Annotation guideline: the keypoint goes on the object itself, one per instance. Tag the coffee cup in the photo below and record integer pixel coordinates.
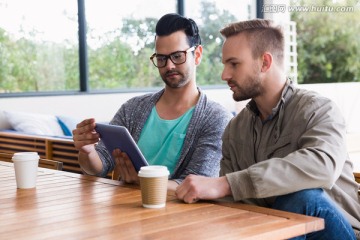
(153, 184)
(26, 167)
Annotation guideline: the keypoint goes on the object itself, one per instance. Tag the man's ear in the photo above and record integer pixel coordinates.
(267, 60)
(198, 54)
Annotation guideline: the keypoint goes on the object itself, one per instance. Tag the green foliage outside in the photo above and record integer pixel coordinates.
(328, 49)
(120, 60)
(30, 66)
(328, 42)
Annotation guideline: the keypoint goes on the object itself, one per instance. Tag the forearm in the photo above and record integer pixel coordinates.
(90, 163)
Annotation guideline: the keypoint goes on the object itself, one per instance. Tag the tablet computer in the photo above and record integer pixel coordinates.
(114, 136)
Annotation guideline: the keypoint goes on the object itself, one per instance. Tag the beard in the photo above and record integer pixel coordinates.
(177, 81)
(252, 88)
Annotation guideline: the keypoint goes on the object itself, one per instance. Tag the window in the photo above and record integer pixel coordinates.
(38, 48)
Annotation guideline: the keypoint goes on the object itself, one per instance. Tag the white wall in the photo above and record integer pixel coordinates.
(346, 96)
(104, 106)
(100, 106)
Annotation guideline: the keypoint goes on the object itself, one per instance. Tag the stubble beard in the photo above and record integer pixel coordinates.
(175, 83)
(252, 89)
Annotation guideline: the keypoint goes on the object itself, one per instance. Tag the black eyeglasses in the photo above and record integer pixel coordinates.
(179, 57)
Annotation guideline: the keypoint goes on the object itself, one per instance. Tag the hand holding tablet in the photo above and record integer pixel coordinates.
(119, 137)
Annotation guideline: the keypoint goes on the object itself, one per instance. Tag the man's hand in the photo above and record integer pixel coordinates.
(85, 136)
(124, 169)
(194, 188)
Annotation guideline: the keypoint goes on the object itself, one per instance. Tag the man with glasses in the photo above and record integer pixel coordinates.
(178, 127)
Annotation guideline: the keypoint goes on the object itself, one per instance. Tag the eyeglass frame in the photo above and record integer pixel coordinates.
(193, 48)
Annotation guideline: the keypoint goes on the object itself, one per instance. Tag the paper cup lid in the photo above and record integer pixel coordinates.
(25, 156)
(153, 171)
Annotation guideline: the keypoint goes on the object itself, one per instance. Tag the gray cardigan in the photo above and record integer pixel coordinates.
(201, 152)
(301, 146)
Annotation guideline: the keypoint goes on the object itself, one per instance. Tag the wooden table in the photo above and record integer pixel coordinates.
(73, 206)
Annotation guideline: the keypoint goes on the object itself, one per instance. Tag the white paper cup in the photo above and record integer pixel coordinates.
(26, 167)
(153, 184)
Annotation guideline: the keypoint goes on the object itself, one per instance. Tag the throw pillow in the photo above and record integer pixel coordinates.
(67, 124)
(4, 123)
(30, 123)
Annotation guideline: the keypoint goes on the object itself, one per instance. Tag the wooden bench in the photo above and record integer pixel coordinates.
(44, 163)
(353, 145)
(56, 149)
(357, 177)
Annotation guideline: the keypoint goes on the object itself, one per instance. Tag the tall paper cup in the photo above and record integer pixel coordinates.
(153, 184)
(26, 166)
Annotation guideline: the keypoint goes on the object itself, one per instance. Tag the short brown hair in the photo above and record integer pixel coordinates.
(263, 36)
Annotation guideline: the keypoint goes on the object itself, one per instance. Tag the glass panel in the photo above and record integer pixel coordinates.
(326, 36)
(121, 40)
(211, 16)
(38, 46)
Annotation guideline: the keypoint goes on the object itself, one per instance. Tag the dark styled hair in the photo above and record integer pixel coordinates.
(264, 35)
(173, 22)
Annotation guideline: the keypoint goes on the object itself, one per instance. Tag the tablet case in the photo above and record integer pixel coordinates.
(114, 136)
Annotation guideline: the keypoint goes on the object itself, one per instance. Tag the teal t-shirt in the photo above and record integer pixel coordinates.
(161, 140)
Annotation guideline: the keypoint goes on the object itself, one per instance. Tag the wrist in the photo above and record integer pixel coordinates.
(225, 186)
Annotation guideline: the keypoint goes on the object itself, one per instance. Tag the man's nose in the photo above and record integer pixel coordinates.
(225, 76)
(169, 64)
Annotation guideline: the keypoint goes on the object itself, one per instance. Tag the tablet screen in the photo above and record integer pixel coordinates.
(114, 136)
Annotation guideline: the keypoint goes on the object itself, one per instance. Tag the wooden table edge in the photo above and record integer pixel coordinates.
(312, 223)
